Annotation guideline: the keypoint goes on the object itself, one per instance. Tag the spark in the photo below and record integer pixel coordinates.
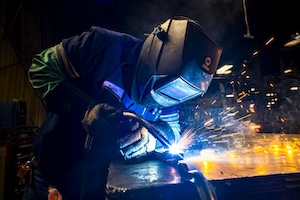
(246, 94)
(241, 118)
(208, 122)
(255, 53)
(187, 138)
(230, 109)
(175, 149)
(271, 39)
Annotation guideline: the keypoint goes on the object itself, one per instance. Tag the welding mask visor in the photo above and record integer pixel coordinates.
(176, 63)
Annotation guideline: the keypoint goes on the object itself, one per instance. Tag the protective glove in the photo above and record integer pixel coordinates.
(137, 143)
(103, 121)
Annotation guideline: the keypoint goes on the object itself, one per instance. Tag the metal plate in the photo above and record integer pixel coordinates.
(148, 180)
(267, 168)
(265, 154)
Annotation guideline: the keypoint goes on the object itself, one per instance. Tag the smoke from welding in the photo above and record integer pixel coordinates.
(218, 18)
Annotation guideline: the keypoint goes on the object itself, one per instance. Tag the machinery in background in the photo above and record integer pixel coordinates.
(16, 139)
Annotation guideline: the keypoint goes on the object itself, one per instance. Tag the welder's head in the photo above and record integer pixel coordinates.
(176, 63)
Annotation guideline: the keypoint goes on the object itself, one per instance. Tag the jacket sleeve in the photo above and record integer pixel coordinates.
(44, 73)
(51, 83)
(172, 119)
(47, 78)
(72, 58)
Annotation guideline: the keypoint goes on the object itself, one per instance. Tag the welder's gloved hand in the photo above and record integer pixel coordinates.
(103, 121)
(137, 143)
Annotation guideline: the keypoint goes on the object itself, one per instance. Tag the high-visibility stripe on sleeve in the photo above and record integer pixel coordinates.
(64, 62)
(173, 120)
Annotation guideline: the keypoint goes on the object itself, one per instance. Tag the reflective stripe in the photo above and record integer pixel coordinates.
(63, 61)
(170, 117)
(116, 89)
(173, 121)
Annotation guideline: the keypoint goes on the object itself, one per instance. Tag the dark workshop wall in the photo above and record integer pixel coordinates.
(18, 42)
(28, 27)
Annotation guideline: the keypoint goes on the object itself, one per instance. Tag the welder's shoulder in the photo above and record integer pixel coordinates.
(123, 37)
(98, 37)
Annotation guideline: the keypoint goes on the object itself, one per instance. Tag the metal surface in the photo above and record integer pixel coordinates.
(266, 154)
(267, 168)
(151, 173)
(151, 180)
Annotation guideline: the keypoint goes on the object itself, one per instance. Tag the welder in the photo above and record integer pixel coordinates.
(89, 80)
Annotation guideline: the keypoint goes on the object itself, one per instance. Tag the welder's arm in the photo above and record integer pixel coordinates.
(136, 143)
(51, 84)
(139, 142)
(171, 126)
(67, 100)
(44, 73)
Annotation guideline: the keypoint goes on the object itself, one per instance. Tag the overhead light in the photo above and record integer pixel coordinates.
(294, 42)
(225, 69)
(230, 95)
(287, 71)
(294, 88)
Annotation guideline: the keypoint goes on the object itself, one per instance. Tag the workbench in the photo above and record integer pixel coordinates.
(269, 168)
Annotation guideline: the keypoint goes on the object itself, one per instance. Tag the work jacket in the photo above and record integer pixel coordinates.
(95, 60)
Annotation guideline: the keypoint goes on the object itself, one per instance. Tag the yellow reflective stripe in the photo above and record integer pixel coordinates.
(70, 67)
(60, 55)
(56, 55)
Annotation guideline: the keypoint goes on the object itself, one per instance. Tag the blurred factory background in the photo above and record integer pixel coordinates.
(257, 85)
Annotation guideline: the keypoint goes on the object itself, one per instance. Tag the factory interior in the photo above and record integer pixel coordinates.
(241, 139)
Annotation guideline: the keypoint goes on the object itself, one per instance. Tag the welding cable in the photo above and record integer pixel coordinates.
(204, 188)
(248, 34)
(191, 174)
(154, 131)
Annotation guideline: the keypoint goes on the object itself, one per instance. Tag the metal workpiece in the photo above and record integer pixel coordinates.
(263, 154)
(166, 156)
(149, 180)
(267, 168)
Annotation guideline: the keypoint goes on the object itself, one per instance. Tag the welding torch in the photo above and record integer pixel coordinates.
(152, 130)
(204, 188)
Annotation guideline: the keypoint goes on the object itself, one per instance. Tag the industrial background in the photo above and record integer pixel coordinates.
(262, 88)
(28, 27)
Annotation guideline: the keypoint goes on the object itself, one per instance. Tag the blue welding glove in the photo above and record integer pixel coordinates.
(139, 142)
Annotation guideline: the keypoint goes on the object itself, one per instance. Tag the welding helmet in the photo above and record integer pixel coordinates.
(176, 63)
